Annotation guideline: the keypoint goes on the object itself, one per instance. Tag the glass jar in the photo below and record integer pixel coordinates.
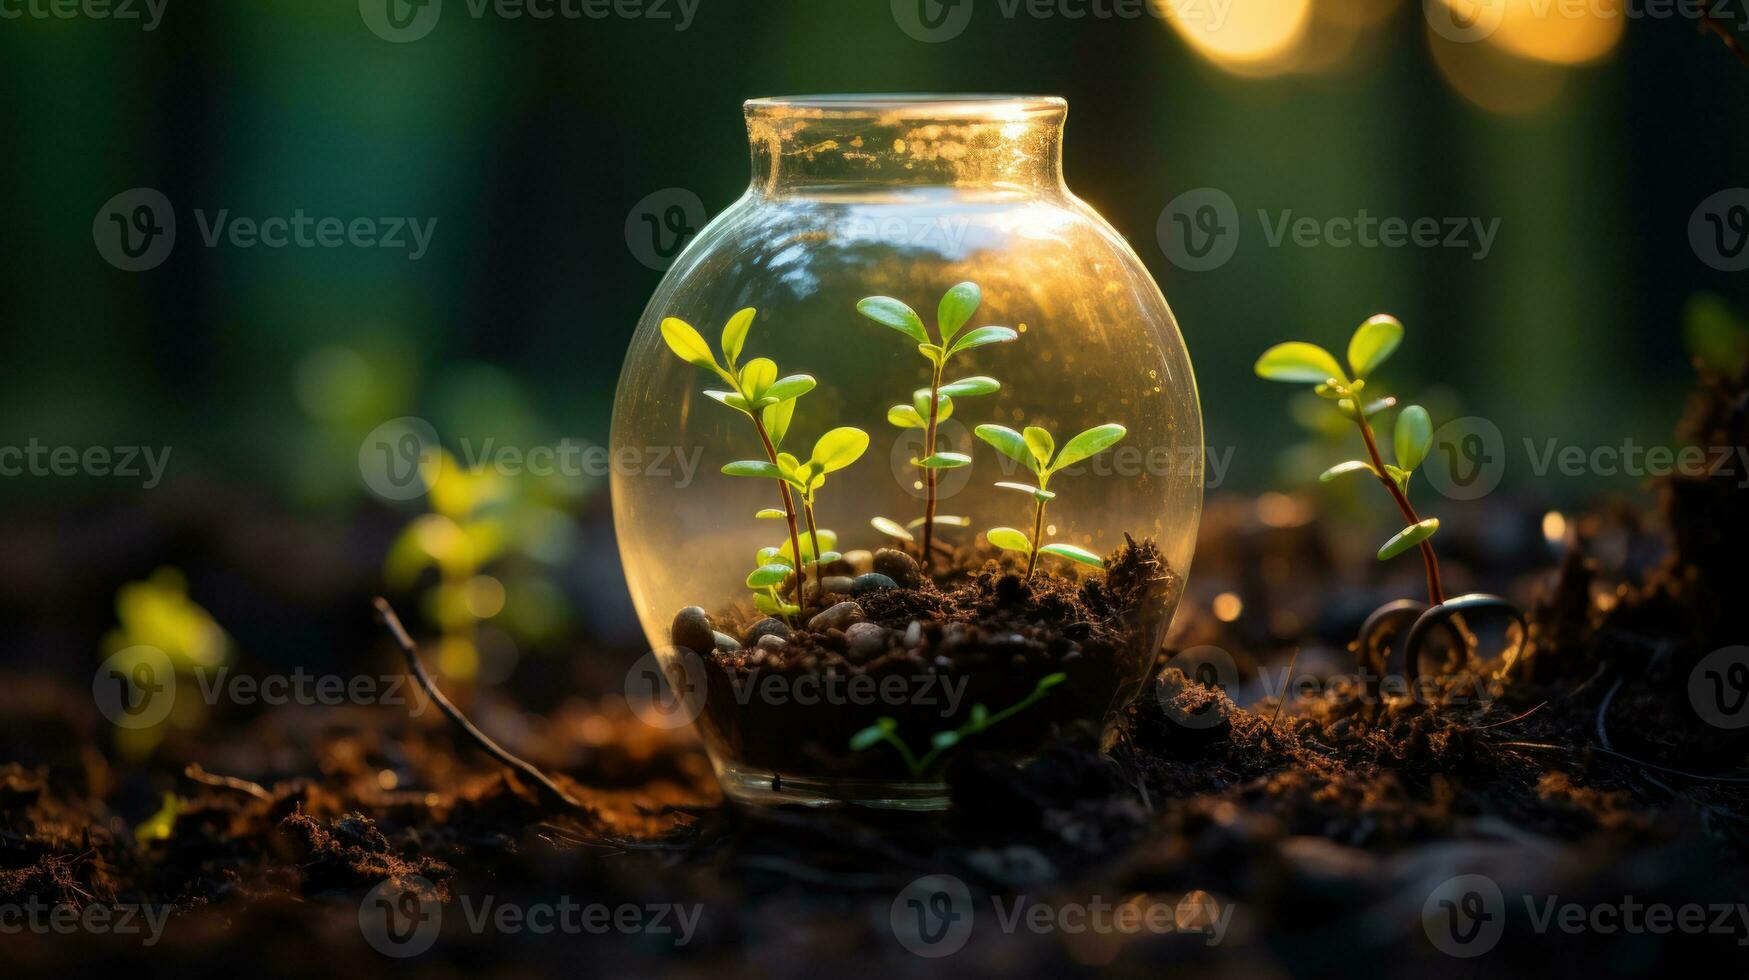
(862, 209)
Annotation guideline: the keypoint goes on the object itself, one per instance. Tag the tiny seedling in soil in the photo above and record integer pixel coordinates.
(1371, 345)
(1036, 450)
(834, 451)
(932, 405)
(886, 729)
(756, 391)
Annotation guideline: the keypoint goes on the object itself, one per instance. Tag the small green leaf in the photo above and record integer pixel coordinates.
(1090, 443)
(1027, 488)
(787, 464)
(777, 419)
(828, 543)
(768, 575)
(770, 514)
(941, 520)
(735, 334)
(944, 740)
(1007, 442)
(1049, 681)
(768, 556)
(967, 387)
(1373, 407)
(1413, 436)
(906, 417)
(1399, 476)
(1041, 444)
(889, 312)
(982, 337)
(1073, 553)
(957, 306)
(839, 448)
(1299, 361)
(1408, 538)
(943, 461)
(686, 343)
(891, 528)
(728, 398)
(868, 738)
(1009, 539)
(935, 354)
(757, 375)
(1343, 469)
(920, 404)
(160, 825)
(979, 719)
(788, 389)
(753, 467)
(1373, 342)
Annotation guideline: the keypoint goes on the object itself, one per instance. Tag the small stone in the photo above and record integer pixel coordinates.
(771, 643)
(692, 630)
(861, 562)
(866, 639)
(830, 585)
(769, 626)
(725, 642)
(838, 617)
(872, 582)
(914, 634)
(899, 567)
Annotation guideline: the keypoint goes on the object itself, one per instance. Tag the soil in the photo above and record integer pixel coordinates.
(987, 640)
(1324, 827)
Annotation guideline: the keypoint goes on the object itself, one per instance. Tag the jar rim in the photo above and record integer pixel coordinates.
(968, 106)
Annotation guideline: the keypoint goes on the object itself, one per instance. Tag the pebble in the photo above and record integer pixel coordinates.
(769, 626)
(861, 562)
(899, 567)
(866, 639)
(837, 617)
(771, 643)
(872, 582)
(830, 585)
(692, 630)
(914, 634)
(725, 642)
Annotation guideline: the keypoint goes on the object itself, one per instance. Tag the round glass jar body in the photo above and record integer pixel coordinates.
(906, 197)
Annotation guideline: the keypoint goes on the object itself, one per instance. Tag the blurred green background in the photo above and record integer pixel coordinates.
(530, 141)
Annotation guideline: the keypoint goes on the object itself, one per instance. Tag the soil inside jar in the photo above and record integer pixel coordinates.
(984, 636)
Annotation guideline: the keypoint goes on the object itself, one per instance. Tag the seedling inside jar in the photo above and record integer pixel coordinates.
(1373, 342)
(756, 391)
(834, 451)
(886, 729)
(932, 405)
(1035, 449)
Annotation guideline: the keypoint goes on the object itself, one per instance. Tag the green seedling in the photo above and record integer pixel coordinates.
(834, 451)
(756, 391)
(903, 533)
(1036, 450)
(1373, 342)
(932, 405)
(773, 566)
(886, 730)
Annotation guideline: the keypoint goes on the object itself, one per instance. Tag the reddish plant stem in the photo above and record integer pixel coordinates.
(814, 536)
(789, 506)
(929, 471)
(1435, 590)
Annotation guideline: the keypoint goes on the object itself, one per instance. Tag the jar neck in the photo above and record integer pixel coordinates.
(842, 144)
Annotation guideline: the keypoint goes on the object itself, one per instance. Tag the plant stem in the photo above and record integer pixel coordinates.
(1435, 591)
(814, 537)
(1038, 531)
(789, 507)
(929, 471)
